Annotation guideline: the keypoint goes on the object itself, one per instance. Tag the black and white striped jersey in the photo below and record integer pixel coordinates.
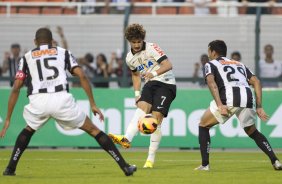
(45, 67)
(232, 79)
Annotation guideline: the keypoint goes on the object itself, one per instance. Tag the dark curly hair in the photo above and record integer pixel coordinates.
(135, 31)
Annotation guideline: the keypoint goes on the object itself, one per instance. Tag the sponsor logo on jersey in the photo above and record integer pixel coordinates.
(145, 66)
(39, 53)
(224, 62)
(158, 49)
(20, 75)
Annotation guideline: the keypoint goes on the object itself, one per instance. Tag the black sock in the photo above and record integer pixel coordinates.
(107, 144)
(204, 140)
(21, 144)
(264, 145)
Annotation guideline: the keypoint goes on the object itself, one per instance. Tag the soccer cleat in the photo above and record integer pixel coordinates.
(202, 168)
(277, 165)
(9, 172)
(148, 164)
(120, 139)
(129, 170)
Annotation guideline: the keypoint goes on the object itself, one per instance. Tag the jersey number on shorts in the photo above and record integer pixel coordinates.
(230, 71)
(163, 99)
(46, 65)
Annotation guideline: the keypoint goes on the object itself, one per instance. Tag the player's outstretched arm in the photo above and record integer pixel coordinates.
(88, 90)
(11, 104)
(255, 82)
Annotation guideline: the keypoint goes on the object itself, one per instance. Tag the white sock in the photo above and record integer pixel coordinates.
(132, 128)
(154, 144)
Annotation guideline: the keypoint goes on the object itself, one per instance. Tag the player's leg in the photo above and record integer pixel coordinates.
(20, 146)
(132, 129)
(106, 143)
(143, 107)
(155, 141)
(247, 118)
(207, 121)
(35, 118)
(163, 95)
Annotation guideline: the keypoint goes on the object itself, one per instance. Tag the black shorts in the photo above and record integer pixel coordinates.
(159, 95)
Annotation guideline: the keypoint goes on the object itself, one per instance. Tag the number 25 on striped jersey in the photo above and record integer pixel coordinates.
(47, 66)
(230, 71)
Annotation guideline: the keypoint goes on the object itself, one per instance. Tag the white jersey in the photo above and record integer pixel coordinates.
(45, 69)
(232, 79)
(148, 60)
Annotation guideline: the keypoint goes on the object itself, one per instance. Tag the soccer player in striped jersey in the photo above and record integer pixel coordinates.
(148, 61)
(44, 69)
(229, 83)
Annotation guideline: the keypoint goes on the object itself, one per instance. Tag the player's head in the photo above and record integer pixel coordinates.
(216, 49)
(135, 34)
(236, 56)
(43, 36)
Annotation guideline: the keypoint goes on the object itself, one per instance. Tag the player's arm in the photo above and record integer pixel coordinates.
(215, 93)
(11, 104)
(85, 84)
(255, 82)
(165, 65)
(136, 81)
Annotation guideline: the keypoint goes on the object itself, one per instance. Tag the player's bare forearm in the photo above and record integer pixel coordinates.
(165, 66)
(258, 90)
(13, 97)
(136, 80)
(85, 84)
(213, 89)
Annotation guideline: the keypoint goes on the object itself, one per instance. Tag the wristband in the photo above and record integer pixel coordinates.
(137, 93)
(154, 73)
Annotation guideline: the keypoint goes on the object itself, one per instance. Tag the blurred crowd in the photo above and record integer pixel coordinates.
(200, 7)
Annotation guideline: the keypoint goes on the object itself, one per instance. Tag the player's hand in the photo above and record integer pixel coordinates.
(4, 129)
(96, 111)
(262, 115)
(223, 109)
(147, 76)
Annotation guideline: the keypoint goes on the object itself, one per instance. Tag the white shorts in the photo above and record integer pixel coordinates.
(61, 106)
(246, 116)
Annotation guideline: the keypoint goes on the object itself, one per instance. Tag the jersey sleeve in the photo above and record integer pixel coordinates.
(157, 53)
(249, 73)
(70, 61)
(208, 69)
(22, 69)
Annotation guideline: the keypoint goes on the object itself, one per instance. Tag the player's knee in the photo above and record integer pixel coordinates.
(250, 130)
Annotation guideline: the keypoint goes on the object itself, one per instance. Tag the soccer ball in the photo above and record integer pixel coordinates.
(147, 124)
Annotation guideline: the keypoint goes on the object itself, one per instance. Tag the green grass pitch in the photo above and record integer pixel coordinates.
(173, 167)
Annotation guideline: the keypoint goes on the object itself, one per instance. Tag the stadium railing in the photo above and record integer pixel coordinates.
(153, 8)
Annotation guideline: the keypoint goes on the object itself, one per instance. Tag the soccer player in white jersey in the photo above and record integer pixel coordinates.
(44, 69)
(148, 61)
(229, 83)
